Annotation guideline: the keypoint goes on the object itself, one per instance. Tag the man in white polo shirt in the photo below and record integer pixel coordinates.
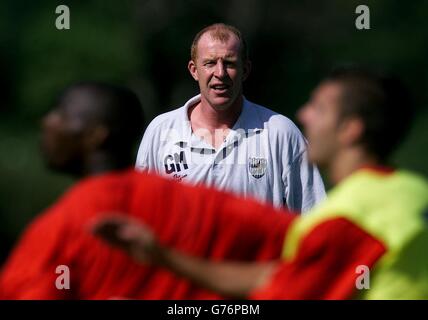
(220, 138)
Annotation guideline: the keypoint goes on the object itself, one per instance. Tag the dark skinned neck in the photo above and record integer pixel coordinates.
(102, 162)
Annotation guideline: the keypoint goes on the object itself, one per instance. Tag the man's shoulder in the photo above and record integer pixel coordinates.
(275, 122)
(272, 118)
(168, 119)
(99, 187)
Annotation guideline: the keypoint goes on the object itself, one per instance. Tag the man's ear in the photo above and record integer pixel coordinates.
(193, 70)
(246, 70)
(95, 137)
(351, 131)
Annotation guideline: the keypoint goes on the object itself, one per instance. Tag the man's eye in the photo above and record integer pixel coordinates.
(209, 63)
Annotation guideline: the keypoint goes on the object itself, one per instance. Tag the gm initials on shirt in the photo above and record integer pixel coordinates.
(174, 163)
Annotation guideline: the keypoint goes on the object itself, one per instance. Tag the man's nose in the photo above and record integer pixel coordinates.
(48, 120)
(45, 120)
(220, 70)
(302, 114)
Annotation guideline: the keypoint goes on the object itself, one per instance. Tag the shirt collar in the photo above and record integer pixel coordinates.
(236, 133)
(379, 169)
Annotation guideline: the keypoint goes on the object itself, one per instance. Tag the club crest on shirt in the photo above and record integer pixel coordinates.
(257, 167)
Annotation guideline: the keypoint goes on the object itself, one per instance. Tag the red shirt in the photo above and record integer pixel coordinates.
(196, 220)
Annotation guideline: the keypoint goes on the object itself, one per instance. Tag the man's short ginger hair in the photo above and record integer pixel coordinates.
(221, 32)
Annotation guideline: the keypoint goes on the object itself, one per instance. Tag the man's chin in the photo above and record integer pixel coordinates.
(313, 158)
(221, 103)
(53, 166)
(61, 168)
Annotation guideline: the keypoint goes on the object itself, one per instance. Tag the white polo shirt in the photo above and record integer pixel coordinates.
(263, 156)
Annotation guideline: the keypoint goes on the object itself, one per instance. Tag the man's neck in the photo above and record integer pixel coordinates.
(204, 115)
(102, 162)
(213, 125)
(347, 162)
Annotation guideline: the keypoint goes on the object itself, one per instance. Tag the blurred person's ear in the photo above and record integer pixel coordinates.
(350, 131)
(193, 70)
(95, 137)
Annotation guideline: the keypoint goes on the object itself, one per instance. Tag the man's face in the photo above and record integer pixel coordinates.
(63, 133)
(219, 70)
(320, 118)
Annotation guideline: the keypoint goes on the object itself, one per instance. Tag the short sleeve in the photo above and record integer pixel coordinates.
(149, 147)
(31, 270)
(325, 265)
(142, 162)
(304, 185)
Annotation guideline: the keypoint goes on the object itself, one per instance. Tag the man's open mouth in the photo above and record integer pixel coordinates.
(220, 88)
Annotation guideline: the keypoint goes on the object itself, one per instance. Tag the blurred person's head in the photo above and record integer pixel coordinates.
(93, 127)
(219, 63)
(357, 113)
